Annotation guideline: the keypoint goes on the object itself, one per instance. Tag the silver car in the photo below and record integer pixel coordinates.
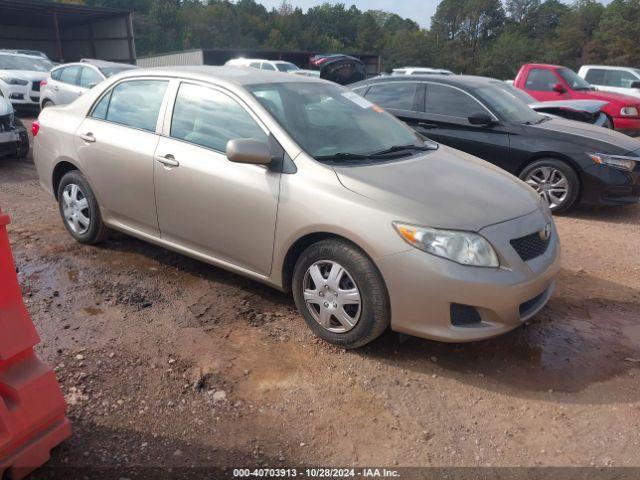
(67, 82)
(307, 187)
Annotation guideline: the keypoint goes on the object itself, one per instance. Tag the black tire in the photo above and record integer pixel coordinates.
(375, 312)
(96, 231)
(573, 182)
(47, 103)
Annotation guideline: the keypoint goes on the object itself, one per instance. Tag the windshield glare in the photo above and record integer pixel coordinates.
(573, 80)
(16, 62)
(286, 67)
(326, 119)
(508, 103)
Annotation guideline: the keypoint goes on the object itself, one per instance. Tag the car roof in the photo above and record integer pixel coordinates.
(609, 67)
(95, 63)
(462, 81)
(234, 75)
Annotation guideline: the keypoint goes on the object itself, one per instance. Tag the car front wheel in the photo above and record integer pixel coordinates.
(79, 209)
(341, 294)
(555, 181)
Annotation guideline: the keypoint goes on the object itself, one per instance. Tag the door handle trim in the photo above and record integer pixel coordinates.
(167, 160)
(88, 137)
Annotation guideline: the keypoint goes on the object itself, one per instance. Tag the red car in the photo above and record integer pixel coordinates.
(553, 82)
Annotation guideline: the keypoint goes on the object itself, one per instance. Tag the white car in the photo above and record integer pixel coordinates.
(20, 77)
(420, 71)
(625, 80)
(261, 64)
(67, 82)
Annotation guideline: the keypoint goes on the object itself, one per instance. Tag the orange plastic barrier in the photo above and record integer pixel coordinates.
(32, 407)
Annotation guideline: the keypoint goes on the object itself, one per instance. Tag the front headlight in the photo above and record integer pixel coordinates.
(14, 81)
(629, 111)
(615, 161)
(466, 248)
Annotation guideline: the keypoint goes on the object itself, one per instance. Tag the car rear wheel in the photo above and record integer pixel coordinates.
(555, 181)
(79, 209)
(47, 103)
(341, 294)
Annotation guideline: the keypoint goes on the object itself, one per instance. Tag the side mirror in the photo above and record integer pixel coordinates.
(635, 85)
(480, 118)
(248, 150)
(558, 88)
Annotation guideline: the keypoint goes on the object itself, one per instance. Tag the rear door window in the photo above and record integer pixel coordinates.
(450, 102)
(596, 76)
(210, 118)
(70, 75)
(394, 95)
(268, 66)
(136, 103)
(541, 80)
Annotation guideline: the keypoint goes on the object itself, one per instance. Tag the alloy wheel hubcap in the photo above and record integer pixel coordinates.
(75, 209)
(550, 183)
(332, 296)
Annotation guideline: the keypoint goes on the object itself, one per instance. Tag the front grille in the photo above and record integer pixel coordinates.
(531, 246)
(36, 86)
(464, 315)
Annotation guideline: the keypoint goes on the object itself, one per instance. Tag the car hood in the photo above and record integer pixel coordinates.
(591, 106)
(24, 74)
(442, 189)
(588, 134)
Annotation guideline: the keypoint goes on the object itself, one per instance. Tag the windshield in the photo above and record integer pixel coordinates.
(286, 67)
(508, 103)
(573, 80)
(109, 71)
(327, 119)
(16, 62)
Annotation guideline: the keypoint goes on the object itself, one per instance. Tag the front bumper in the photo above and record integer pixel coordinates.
(23, 95)
(627, 125)
(423, 287)
(604, 185)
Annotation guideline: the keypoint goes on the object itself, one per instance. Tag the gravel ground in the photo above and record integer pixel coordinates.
(169, 362)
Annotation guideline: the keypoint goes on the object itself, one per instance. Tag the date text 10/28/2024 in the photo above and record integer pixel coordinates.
(315, 473)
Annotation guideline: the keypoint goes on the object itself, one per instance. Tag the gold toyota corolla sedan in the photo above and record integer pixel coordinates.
(303, 185)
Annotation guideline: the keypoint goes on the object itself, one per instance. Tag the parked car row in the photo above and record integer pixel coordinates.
(566, 162)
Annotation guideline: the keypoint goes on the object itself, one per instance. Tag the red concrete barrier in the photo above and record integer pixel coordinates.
(32, 407)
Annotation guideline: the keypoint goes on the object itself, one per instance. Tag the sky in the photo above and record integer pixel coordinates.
(418, 10)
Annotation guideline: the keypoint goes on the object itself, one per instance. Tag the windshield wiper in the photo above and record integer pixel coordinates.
(400, 148)
(342, 156)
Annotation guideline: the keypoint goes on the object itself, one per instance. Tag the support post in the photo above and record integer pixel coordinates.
(56, 31)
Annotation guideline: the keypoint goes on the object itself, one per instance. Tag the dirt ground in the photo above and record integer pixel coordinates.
(169, 362)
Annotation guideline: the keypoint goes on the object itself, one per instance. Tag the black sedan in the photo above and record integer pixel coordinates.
(564, 160)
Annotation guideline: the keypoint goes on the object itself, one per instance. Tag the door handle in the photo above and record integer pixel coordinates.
(88, 137)
(427, 125)
(168, 160)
